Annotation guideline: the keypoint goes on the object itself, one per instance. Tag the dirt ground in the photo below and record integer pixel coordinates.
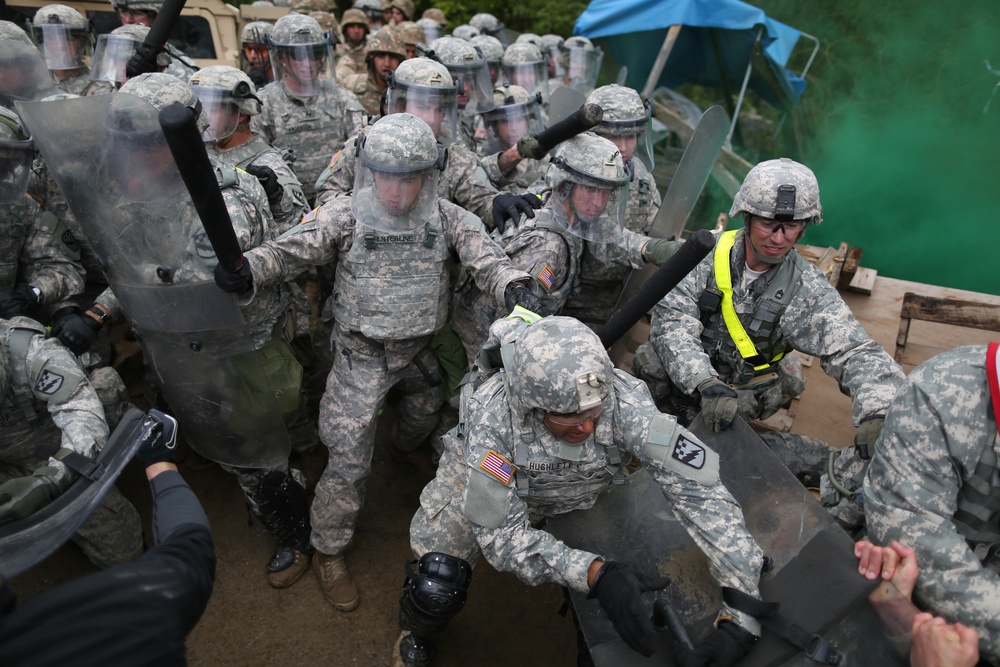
(249, 623)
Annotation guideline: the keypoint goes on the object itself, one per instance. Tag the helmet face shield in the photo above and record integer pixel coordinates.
(632, 136)
(255, 62)
(474, 88)
(591, 208)
(139, 155)
(222, 110)
(582, 67)
(298, 67)
(532, 76)
(436, 106)
(111, 56)
(506, 125)
(62, 46)
(23, 73)
(15, 169)
(391, 195)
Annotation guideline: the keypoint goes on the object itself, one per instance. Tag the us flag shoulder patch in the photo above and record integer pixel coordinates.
(498, 466)
(310, 216)
(480, 133)
(335, 159)
(546, 277)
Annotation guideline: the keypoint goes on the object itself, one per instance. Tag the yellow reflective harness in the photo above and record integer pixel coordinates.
(724, 281)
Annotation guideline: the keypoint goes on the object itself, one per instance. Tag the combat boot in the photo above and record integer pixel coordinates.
(410, 651)
(287, 566)
(335, 582)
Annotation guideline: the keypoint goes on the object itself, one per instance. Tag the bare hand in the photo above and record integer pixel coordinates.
(936, 643)
(895, 563)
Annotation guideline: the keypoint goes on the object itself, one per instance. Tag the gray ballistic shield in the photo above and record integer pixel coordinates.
(24, 75)
(815, 577)
(125, 189)
(25, 543)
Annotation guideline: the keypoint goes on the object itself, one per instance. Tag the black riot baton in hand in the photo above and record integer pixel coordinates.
(143, 60)
(180, 127)
(659, 284)
(536, 146)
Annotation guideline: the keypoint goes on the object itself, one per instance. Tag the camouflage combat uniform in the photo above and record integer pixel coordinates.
(933, 485)
(80, 84)
(466, 510)
(378, 344)
(49, 406)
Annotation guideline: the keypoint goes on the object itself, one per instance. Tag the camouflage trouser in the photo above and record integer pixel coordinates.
(113, 533)
(355, 391)
(439, 524)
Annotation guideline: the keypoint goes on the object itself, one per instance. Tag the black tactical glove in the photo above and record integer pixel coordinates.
(74, 329)
(528, 146)
(517, 294)
(143, 61)
(507, 208)
(718, 404)
(618, 591)
(268, 180)
(723, 647)
(19, 300)
(658, 251)
(159, 449)
(239, 281)
(23, 496)
(868, 431)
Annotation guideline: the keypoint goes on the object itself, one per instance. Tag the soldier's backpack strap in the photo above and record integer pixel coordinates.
(992, 370)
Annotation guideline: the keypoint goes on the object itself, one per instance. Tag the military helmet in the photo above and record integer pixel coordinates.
(465, 32)
(161, 90)
(424, 88)
(16, 154)
(411, 33)
(13, 31)
(596, 164)
(295, 30)
(469, 70)
(530, 38)
(328, 22)
(521, 52)
(153, 6)
(517, 114)
(386, 40)
(625, 113)
(236, 85)
(399, 143)
(489, 46)
(422, 72)
(779, 189)
(485, 23)
(355, 16)
(523, 64)
(256, 32)
(436, 15)
(371, 8)
(559, 365)
(61, 15)
(577, 41)
(432, 29)
(405, 6)
(64, 36)
(590, 160)
(138, 34)
(551, 41)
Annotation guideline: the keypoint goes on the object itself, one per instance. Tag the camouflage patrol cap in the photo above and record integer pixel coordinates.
(399, 143)
(13, 31)
(559, 365)
(465, 32)
(138, 34)
(489, 46)
(436, 15)
(779, 189)
(61, 15)
(255, 32)
(161, 90)
(405, 6)
(551, 41)
(625, 113)
(520, 53)
(386, 40)
(355, 16)
(410, 32)
(138, 5)
(485, 23)
(232, 81)
(530, 38)
(297, 29)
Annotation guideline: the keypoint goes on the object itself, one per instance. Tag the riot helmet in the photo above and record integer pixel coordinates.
(626, 121)
(354, 17)
(424, 88)
(16, 154)
(550, 49)
(581, 62)
(589, 188)
(487, 24)
(468, 71)
(432, 29)
(465, 32)
(530, 38)
(517, 114)
(226, 94)
(11, 31)
(255, 56)
(300, 51)
(492, 51)
(373, 10)
(395, 185)
(23, 72)
(559, 369)
(64, 37)
(139, 153)
(523, 65)
(114, 49)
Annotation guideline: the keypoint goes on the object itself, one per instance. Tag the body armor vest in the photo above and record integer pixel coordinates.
(394, 286)
(978, 516)
(760, 323)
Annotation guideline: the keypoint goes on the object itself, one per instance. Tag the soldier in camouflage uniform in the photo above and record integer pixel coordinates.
(393, 242)
(304, 112)
(492, 51)
(472, 78)
(255, 56)
(273, 494)
(143, 12)
(373, 10)
(580, 64)
(412, 35)
(66, 39)
(550, 49)
(432, 29)
(487, 24)
(352, 53)
(51, 429)
(517, 114)
(756, 288)
(114, 50)
(589, 186)
(626, 125)
(932, 484)
(542, 437)
(229, 99)
(385, 52)
(402, 11)
(524, 65)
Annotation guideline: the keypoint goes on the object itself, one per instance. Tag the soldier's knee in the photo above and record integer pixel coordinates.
(434, 592)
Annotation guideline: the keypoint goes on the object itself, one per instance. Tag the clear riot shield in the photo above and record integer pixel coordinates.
(815, 576)
(125, 189)
(23, 73)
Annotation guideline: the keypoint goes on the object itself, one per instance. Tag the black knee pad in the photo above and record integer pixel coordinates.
(283, 508)
(434, 593)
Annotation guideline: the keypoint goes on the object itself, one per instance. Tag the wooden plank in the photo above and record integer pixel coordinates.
(852, 261)
(730, 160)
(863, 281)
(957, 312)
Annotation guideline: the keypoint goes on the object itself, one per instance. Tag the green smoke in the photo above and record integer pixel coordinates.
(905, 156)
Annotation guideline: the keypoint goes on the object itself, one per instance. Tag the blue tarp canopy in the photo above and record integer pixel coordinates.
(713, 48)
